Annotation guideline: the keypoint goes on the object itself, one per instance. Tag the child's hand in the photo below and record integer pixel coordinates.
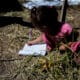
(62, 47)
(35, 41)
(30, 43)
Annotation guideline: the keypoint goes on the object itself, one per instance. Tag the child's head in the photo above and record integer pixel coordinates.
(44, 17)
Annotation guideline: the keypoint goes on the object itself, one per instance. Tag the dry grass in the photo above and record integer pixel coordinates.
(54, 66)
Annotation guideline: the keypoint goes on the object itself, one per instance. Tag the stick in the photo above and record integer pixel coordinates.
(64, 10)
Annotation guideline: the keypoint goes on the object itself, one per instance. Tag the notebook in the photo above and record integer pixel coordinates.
(37, 49)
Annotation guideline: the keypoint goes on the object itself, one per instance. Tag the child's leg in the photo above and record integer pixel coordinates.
(74, 46)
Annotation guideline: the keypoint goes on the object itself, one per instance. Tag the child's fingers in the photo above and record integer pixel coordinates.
(29, 43)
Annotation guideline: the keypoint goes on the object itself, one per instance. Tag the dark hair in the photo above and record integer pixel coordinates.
(44, 16)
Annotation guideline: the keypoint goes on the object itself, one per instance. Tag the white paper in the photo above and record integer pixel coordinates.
(37, 49)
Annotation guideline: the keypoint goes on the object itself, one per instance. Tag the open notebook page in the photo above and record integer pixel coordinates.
(37, 49)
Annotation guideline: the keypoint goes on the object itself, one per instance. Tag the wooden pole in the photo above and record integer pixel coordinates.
(64, 10)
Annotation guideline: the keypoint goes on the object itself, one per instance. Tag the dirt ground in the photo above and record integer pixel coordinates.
(12, 38)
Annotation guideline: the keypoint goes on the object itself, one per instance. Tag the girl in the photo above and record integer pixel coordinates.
(45, 19)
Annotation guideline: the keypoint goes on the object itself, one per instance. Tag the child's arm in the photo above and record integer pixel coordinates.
(37, 40)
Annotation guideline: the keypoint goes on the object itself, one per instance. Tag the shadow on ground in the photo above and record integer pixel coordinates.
(7, 20)
(10, 5)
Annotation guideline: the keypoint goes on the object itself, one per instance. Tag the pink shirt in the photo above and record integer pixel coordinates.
(66, 30)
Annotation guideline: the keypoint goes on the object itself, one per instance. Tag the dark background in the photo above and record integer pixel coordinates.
(10, 5)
